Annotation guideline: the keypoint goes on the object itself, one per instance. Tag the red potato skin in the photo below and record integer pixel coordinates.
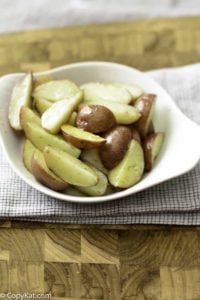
(144, 105)
(95, 118)
(83, 144)
(151, 128)
(44, 178)
(147, 148)
(135, 134)
(115, 147)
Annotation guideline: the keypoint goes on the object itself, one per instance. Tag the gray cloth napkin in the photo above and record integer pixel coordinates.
(174, 202)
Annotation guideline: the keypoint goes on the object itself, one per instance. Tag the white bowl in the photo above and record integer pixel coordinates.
(181, 149)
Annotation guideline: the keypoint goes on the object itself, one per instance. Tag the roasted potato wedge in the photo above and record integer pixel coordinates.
(111, 189)
(123, 113)
(145, 105)
(44, 175)
(69, 168)
(152, 146)
(151, 128)
(28, 115)
(100, 91)
(98, 189)
(92, 157)
(59, 113)
(135, 90)
(41, 138)
(130, 169)
(80, 138)
(21, 96)
(41, 80)
(95, 118)
(28, 151)
(115, 147)
(135, 135)
(42, 105)
(72, 119)
(56, 90)
(74, 192)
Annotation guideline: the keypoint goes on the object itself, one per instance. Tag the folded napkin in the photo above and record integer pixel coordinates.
(174, 202)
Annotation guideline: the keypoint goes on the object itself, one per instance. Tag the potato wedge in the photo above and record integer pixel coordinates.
(69, 168)
(28, 151)
(124, 113)
(42, 105)
(59, 113)
(74, 192)
(134, 89)
(100, 91)
(28, 115)
(80, 138)
(117, 140)
(41, 138)
(152, 146)
(130, 169)
(95, 118)
(151, 128)
(135, 134)
(111, 189)
(72, 119)
(21, 96)
(41, 80)
(145, 105)
(56, 90)
(44, 175)
(92, 157)
(98, 189)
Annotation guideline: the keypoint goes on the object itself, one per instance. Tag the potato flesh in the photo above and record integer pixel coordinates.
(44, 175)
(92, 156)
(157, 144)
(28, 151)
(152, 146)
(59, 113)
(129, 171)
(72, 119)
(41, 138)
(99, 91)
(69, 168)
(56, 90)
(135, 90)
(27, 115)
(124, 113)
(42, 105)
(74, 192)
(21, 96)
(98, 189)
(82, 137)
(41, 80)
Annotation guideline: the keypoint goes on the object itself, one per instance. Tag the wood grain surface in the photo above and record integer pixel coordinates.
(109, 262)
(100, 262)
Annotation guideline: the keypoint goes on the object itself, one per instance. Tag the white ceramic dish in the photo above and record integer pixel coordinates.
(181, 149)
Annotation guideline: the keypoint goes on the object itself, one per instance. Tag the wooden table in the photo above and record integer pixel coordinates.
(102, 262)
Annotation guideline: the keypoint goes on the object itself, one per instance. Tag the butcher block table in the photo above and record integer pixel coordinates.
(108, 262)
